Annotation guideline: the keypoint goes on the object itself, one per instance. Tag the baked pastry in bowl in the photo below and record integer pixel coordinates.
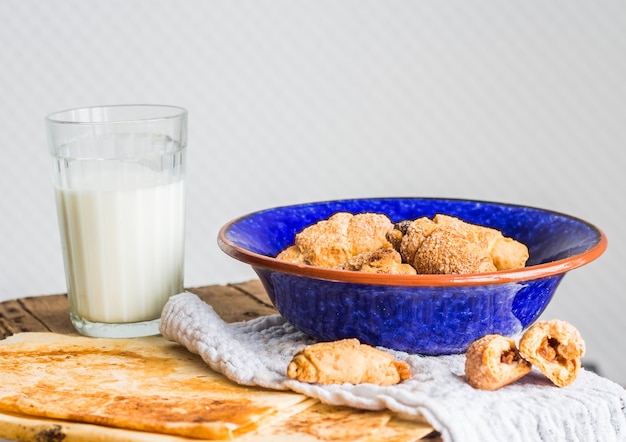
(426, 313)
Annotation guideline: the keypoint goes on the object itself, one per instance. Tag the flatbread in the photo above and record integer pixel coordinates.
(146, 384)
(74, 388)
(322, 422)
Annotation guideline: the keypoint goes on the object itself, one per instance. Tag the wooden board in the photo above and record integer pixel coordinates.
(78, 388)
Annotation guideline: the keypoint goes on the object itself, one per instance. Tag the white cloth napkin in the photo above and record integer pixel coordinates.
(257, 352)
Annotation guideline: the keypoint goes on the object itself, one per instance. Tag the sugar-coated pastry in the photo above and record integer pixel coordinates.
(442, 245)
(505, 252)
(379, 261)
(333, 241)
(448, 245)
(445, 251)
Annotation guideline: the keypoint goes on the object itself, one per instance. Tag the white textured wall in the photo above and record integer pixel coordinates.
(289, 101)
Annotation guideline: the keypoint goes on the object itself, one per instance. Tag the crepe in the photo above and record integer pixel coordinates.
(74, 388)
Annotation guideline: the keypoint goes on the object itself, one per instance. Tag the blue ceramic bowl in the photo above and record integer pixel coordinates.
(426, 314)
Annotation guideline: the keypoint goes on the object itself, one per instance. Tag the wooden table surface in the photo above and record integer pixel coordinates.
(50, 313)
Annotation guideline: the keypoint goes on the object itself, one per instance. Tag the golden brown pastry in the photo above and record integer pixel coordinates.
(378, 261)
(555, 348)
(445, 252)
(446, 245)
(346, 361)
(443, 245)
(408, 237)
(292, 254)
(493, 361)
(333, 241)
(432, 248)
(506, 253)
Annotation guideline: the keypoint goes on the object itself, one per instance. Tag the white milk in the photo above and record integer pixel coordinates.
(123, 248)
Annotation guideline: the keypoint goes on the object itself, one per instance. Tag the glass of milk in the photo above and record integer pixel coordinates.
(119, 180)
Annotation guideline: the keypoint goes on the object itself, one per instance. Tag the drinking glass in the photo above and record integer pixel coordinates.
(119, 180)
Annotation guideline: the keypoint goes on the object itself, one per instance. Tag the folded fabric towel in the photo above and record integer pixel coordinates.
(257, 352)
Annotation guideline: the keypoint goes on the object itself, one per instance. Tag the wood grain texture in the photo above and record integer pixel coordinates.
(50, 313)
(236, 302)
